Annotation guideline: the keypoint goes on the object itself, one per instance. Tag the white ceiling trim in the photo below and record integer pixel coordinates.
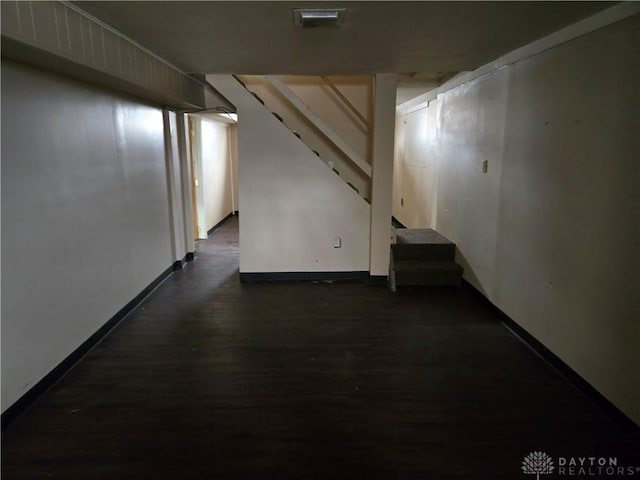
(130, 40)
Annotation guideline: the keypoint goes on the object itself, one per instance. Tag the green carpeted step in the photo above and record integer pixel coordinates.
(435, 280)
(427, 267)
(423, 257)
(425, 273)
(422, 244)
(420, 236)
(433, 251)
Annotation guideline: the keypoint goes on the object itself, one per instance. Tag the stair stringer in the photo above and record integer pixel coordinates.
(336, 139)
(292, 207)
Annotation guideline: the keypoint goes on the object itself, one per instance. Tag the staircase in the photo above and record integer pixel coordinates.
(421, 256)
(299, 218)
(355, 168)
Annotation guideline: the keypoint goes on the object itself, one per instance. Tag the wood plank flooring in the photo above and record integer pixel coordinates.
(213, 379)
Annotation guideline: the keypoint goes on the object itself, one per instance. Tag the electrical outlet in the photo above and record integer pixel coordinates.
(485, 166)
(402, 202)
(337, 242)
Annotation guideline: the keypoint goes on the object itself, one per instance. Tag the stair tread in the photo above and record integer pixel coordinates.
(420, 236)
(255, 95)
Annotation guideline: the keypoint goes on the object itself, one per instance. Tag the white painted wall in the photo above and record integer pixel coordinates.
(217, 174)
(292, 205)
(85, 216)
(414, 168)
(550, 233)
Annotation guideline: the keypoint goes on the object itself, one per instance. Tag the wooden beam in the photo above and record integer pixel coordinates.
(346, 101)
(320, 125)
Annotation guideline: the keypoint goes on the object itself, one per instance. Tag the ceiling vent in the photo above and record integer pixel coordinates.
(318, 17)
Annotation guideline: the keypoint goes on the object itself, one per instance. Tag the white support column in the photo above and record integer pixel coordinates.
(382, 178)
(169, 168)
(185, 180)
(174, 187)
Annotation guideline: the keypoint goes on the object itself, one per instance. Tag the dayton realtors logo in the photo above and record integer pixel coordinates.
(539, 463)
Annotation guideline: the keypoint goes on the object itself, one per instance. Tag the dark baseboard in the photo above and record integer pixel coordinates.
(35, 392)
(179, 264)
(555, 362)
(219, 224)
(190, 256)
(302, 276)
(378, 279)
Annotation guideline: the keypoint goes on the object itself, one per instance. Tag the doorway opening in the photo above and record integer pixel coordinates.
(213, 155)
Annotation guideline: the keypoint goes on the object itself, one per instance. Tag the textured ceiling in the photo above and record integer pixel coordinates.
(432, 38)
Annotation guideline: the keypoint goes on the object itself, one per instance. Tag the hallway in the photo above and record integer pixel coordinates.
(213, 379)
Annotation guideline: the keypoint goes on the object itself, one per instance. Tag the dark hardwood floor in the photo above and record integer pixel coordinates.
(213, 379)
